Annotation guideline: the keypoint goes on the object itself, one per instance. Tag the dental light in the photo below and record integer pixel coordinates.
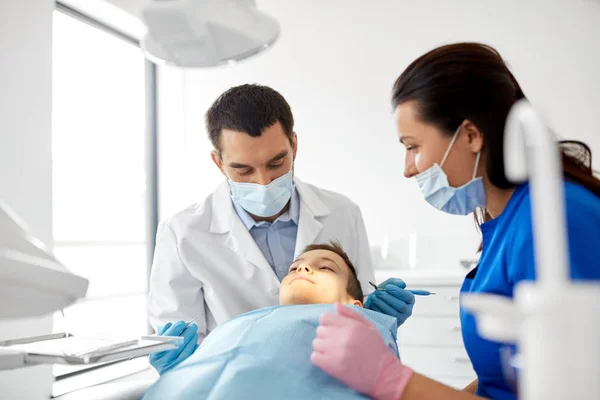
(205, 33)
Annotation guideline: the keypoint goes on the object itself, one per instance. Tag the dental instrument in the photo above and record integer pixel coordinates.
(416, 292)
(193, 319)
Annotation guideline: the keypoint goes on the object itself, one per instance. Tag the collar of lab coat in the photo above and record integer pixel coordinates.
(223, 212)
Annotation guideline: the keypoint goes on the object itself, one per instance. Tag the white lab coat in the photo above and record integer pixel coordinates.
(207, 262)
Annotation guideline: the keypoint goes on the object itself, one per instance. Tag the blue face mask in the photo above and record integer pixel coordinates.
(463, 200)
(263, 200)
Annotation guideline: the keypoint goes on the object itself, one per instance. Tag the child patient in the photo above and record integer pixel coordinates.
(266, 353)
(323, 274)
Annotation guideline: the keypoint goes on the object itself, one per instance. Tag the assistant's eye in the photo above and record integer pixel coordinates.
(412, 148)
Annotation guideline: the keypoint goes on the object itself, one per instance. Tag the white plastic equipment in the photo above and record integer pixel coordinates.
(554, 321)
(32, 281)
(205, 33)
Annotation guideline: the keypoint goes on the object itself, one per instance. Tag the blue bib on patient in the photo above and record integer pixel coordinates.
(263, 354)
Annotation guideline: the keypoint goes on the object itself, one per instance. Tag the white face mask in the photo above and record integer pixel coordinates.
(463, 200)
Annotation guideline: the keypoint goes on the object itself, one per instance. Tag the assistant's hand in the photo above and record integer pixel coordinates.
(393, 301)
(166, 360)
(349, 348)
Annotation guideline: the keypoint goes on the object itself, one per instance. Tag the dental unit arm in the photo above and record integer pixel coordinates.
(33, 282)
(554, 321)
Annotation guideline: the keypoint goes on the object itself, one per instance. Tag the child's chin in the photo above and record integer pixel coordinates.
(299, 297)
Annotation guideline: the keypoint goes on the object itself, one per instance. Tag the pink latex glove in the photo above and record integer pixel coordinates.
(351, 349)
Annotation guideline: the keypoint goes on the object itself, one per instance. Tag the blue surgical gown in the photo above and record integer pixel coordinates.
(508, 257)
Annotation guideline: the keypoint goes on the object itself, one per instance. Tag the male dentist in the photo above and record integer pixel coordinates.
(228, 254)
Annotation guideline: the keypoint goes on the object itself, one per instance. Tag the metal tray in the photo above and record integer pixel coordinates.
(145, 345)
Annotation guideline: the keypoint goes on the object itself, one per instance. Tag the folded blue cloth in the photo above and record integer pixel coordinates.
(263, 354)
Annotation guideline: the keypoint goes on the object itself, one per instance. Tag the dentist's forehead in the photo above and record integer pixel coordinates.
(236, 145)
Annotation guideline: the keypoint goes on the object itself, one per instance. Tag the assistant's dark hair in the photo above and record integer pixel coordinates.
(353, 288)
(470, 81)
(250, 109)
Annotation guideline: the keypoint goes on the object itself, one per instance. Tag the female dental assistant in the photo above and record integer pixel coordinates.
(451, 106)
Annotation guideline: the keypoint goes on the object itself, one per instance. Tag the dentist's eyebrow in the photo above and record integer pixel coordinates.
(279, 156)
(239, 165)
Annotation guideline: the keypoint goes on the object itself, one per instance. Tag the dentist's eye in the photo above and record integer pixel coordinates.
(276, 165)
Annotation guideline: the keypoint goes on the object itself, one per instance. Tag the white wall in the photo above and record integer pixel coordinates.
(336, 62)
(25, 155)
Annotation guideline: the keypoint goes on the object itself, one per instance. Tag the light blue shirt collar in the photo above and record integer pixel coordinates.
(293, 213)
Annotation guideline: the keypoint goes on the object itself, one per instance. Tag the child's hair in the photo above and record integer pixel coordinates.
(354, 289)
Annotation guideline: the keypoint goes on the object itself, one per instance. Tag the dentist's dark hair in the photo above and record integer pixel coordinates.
(249, 109)
(470, 81)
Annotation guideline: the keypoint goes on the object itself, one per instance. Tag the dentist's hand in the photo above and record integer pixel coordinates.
(349, 348)
(393, 301)
(166, 360)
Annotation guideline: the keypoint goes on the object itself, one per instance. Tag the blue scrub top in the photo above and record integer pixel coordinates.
(508, 257)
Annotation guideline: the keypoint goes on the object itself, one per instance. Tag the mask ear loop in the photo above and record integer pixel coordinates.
(293, 170)
(476, 165)
(450, 146)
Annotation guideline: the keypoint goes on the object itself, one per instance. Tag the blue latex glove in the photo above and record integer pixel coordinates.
(166, 360)
(393, 301)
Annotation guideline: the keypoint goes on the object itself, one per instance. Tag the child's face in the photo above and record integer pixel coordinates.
(317, 277)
